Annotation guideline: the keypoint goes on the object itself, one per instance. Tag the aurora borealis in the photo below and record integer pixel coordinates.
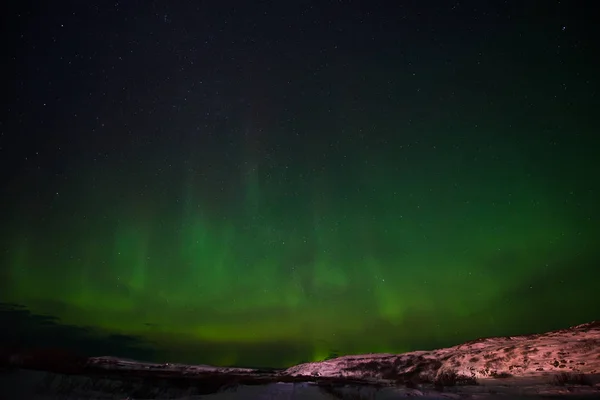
(269, 184)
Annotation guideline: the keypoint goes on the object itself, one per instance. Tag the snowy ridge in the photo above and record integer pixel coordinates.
(575, 350)
(114, 363)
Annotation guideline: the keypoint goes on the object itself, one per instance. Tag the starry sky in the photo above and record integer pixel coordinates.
(264, 183)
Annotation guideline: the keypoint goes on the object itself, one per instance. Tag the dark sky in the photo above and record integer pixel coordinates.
(264, 183)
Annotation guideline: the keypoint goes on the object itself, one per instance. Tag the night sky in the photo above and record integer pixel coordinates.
(263, 183)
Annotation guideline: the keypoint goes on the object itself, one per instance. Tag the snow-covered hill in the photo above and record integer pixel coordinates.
(574, 351)
(564, 362)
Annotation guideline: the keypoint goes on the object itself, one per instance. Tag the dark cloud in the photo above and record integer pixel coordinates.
(24, 329)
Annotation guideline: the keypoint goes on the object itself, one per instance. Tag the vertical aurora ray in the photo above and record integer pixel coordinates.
(131, 256)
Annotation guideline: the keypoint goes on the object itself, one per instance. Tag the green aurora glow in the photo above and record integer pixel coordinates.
(387, 207)
(400, 257)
